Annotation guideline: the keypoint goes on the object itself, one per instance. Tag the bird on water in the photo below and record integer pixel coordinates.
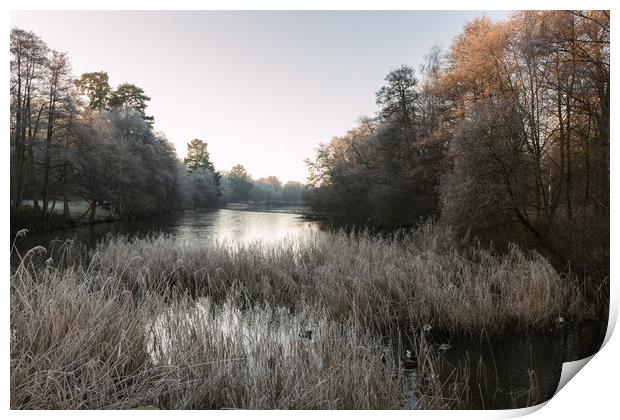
(409, 361)
(306, 335)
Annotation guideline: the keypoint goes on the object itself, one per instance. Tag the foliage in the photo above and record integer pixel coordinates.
(82, 140)
(240, 184)
(198, 156)
(131, 96)
(505, 134)
(96, 87)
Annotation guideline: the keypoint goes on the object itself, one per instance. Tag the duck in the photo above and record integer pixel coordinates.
(306, 335)
(444, 347)
(409, 361)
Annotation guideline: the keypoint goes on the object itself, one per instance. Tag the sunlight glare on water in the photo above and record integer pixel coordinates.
(224, 226)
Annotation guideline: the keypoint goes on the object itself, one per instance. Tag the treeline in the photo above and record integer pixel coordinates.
(236, 185)
(505, 134)
(81, 140)
(84, 141)
(239, 187)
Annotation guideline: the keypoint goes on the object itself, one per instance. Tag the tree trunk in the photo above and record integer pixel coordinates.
(48, 146)
(93, 209)
(66, 214)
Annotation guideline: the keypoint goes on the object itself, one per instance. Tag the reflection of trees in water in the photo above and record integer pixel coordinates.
(224, 225)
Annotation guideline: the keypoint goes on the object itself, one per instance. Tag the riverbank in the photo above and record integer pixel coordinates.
(29, 218)
(172, 324)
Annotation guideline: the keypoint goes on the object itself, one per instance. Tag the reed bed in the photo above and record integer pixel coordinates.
(75, 346)
(416, 278)
(177, 325)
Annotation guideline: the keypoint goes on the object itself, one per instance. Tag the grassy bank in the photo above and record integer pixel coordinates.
(182, 325)
(79, 210)
(29, 218)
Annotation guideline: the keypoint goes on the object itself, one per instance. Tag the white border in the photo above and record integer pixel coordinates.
(592, 394)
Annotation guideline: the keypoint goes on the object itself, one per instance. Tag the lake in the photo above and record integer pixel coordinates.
(515, 370)
(192, 226)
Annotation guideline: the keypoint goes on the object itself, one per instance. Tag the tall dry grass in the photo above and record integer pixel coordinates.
(421, 277)
(219, 325)
(77, 344)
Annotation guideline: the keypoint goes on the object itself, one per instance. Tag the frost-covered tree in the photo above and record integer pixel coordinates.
(397, 99)
(28, 60)
(240, 183)
(204, 192)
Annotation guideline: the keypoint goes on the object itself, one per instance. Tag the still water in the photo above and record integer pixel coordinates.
(516, 370)
(191, 226)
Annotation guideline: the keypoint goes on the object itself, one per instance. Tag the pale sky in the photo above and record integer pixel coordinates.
(261, 88)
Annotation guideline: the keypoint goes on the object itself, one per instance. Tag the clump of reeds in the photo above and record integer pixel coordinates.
(262, 357)
(82, 340)
(416, 278)
(73, 346)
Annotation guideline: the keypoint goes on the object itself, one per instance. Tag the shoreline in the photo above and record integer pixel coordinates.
(57, 223)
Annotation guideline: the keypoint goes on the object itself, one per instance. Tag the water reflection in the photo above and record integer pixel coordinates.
(191, 226)
(247, 226)
(514, 370)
